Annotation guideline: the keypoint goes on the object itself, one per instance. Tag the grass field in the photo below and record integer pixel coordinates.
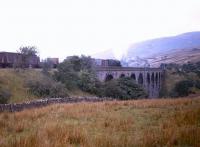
(161, 122)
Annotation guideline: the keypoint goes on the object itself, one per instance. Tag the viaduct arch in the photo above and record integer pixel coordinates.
(149, 78)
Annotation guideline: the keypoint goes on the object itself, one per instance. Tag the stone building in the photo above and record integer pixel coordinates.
(9, 59)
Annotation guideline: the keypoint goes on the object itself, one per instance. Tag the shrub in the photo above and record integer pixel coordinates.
(182, 88)
(67, 74)
(198, 73)
(46, 87)
(4, 96)
(197, 84)
(76, 72)
(88, 82)
(46, 67)
(123, 88)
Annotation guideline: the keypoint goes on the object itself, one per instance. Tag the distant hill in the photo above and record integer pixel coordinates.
(179, 49)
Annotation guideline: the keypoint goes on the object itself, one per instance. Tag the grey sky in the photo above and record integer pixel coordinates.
(65, 27)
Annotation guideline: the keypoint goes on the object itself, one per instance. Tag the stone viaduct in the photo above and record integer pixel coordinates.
(149, 78)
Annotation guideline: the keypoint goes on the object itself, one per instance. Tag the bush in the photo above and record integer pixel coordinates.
(198, 73)
(46, 67)
(4, 96)
(123, 88)
(76, 72)
(88, 82)
(182, 88)
(46, 87)
(197, 84)
(67, 74)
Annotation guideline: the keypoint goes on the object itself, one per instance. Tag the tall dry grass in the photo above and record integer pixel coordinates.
(163, 122)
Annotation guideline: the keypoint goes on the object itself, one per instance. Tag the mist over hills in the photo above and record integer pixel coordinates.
(179, 49)
(107, 54)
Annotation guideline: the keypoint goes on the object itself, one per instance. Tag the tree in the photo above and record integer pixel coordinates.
(77, 72)
(123, 88)
(67, 71)
(87, 63)
(26, 53)
(87, 81)
(46, 87)
(182, 88)
(46, 67)
(4, 96)
(197, 84)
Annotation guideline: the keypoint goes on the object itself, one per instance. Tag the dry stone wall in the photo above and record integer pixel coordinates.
(44, 102)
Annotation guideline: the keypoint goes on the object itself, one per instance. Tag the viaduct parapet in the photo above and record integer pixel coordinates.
(149, 78)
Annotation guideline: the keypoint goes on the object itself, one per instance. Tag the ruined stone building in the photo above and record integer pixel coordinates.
(9, 59)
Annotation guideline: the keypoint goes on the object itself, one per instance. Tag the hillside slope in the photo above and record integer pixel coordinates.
(15, 83)
(181, 56)
(181, 48)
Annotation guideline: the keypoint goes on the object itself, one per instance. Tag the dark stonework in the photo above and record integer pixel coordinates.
(149, 78)
(44, 102)
(8, 59)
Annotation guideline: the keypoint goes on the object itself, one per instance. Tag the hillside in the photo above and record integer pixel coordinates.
(176, 49)
(161, 122)
(181, 56)
(15, 83)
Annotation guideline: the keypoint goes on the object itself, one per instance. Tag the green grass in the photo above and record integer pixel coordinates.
(161, 122)
(15, 82)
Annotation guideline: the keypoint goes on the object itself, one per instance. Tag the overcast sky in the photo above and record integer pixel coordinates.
(59, 28)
